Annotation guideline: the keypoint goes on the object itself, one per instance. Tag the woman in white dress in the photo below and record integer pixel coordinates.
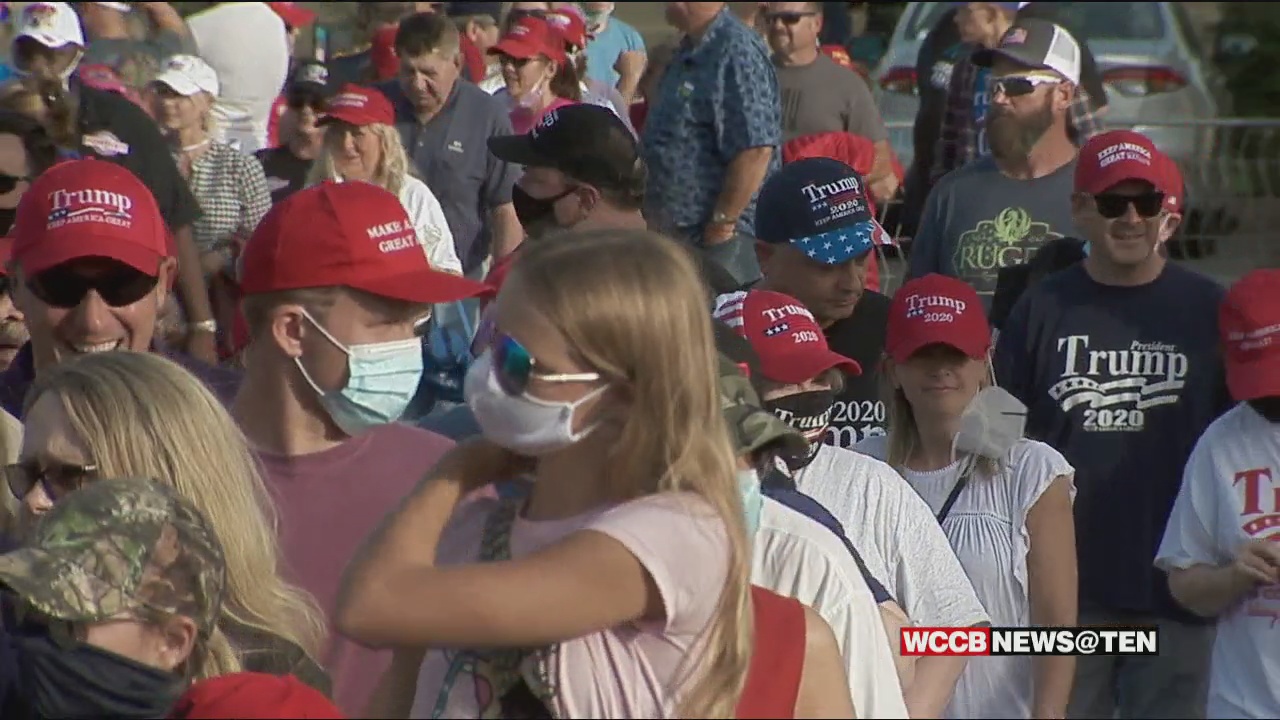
(1003, 501)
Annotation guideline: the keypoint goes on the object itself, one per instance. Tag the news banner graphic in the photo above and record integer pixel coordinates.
(918, 641)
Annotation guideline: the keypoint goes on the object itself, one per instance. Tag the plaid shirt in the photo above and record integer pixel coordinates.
(958, 140)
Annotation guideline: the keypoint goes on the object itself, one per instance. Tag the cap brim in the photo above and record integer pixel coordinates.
(179, 84)
(50, 41)
(903, 352)
(350, 117)
(516, 49)
(766, 431)
(518, 149)
(1253, 379)
(27, 572)
(986, 57)
(428, 287)
(53, 252)
(802, 366)
(840, 246)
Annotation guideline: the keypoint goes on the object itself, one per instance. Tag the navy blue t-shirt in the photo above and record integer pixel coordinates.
(1122, 381)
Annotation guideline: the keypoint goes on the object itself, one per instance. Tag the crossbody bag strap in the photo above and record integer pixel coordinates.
(965, 473)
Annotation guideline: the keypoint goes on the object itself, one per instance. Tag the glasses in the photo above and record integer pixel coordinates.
(514, 367)
(1019, 85)
(515, 62)
(1112, 206)
(66, 286)
(307, 100)
(56, 479)
(787, 18)
(9, 182)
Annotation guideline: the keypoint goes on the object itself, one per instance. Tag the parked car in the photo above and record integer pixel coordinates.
(1155, 69)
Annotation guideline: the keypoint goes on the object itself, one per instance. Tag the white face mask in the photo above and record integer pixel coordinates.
(991, 425)
(520, 423)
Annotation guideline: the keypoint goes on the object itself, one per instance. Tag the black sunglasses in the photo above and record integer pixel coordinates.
(1112, 206)
(298, 101)
(57, 479)
(787, 18)
(9, 182)
(65, 286)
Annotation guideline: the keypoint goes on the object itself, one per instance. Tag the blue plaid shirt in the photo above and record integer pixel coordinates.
(717, 98)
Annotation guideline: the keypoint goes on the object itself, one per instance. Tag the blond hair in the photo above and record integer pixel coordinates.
(904, 436)
(141, 415)
(391, 170)
(636, 313)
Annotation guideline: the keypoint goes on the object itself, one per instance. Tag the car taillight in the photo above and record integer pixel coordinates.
(900, 80)
(1142, 81)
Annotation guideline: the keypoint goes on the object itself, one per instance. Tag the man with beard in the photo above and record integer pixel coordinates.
(1000, 209)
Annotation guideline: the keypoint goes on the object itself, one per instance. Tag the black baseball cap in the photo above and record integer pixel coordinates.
(1036, 43)
(589, 143)
(311, 77)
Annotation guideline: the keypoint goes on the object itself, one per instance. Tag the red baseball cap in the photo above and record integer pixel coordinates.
(88, 208)
(1175, 190)
(530, 37)
(790, 343)
(569, 23)
(351, 234)
(1113, 157)
(1249, 321)
(936, 309)
(359, 105)
(293, 14)
(246, 695)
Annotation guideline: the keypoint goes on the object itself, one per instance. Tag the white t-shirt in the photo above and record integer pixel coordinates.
(1228, 497)
(622, 672)
(245, 43)
(987, 527)
(896, 534)
(428, 219)
(796, 556)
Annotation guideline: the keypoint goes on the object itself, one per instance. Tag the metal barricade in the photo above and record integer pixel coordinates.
(1231, 170)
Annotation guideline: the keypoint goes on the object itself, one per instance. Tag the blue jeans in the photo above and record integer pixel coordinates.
(737, 256)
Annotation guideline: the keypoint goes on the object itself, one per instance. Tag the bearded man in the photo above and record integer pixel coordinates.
(1000, 209)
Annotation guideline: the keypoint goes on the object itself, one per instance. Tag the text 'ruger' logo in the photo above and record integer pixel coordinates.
(918, 305)
(75, 206)
(395, 235)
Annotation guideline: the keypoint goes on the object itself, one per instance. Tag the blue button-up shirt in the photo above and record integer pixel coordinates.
(718, 98)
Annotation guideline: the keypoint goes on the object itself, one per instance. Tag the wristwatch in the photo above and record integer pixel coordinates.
(208, 326)
(720, 218)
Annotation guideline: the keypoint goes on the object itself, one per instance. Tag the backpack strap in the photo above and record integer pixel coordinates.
(508, 669)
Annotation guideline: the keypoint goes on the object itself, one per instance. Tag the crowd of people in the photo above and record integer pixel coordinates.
(510, 368)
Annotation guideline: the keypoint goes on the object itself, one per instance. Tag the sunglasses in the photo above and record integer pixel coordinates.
(787, 18)
(514, 367)
(1019, 85)
(56, 479)
(66, 286)
(1111, 206)
(515, 62)
(9, 182)
(307, 100)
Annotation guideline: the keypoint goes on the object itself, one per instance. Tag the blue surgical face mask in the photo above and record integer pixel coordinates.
(752, 500)
(382, 379)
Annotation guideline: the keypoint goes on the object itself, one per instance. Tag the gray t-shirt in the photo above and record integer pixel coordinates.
(978, 220)
(824, 97)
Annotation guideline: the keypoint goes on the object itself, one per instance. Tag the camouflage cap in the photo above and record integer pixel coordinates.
(753, 428)
(120, 546)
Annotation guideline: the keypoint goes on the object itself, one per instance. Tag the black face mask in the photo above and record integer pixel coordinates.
(1268, 407)
(808, 413)
(536, 215)
(7, 216)
(88, 682)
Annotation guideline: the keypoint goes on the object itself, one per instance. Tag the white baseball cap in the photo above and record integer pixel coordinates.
(188, 75)
(52, 24)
